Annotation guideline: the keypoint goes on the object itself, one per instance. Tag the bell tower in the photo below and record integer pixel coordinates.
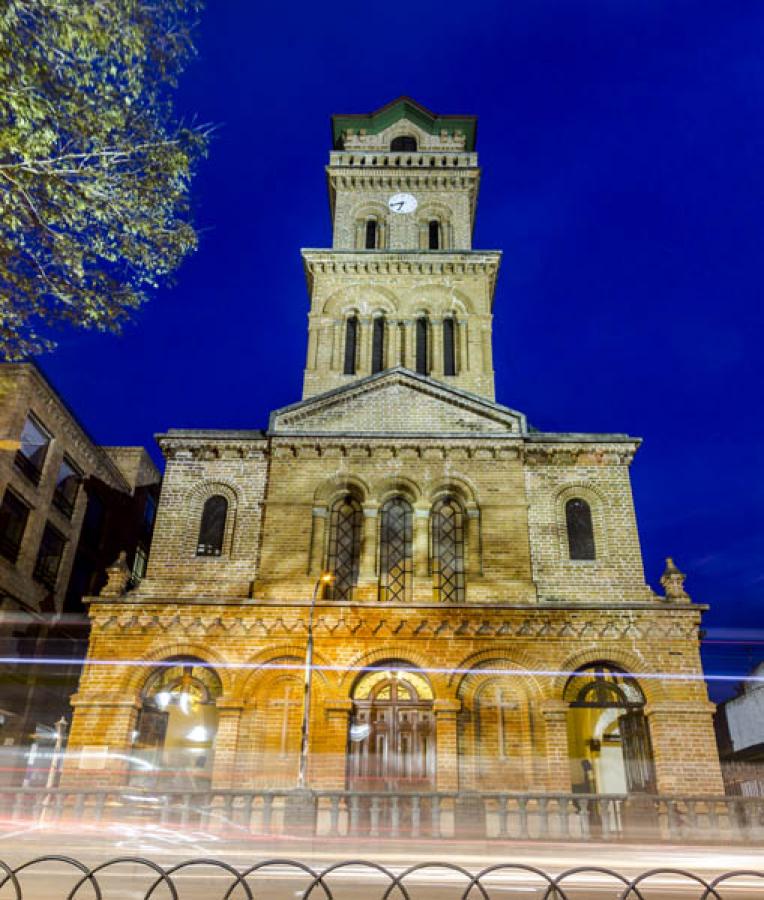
(401, 286)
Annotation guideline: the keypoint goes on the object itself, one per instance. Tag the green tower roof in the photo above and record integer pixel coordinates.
(404, 107)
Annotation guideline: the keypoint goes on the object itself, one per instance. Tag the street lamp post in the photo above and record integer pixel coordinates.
(326, 578)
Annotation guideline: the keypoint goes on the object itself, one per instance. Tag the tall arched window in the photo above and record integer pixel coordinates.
(212, 526)
(422, 349)
(608, 738)
(174, 740)
(351, 344)
(578, 520)
(405, 142)
(378, 345)
(344, 546)
(449, 346)
(433, 234)
(372, 232)
(448, 550)
(396, 550)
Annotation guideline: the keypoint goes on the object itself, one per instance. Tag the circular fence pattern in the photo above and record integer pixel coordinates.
(246, 883)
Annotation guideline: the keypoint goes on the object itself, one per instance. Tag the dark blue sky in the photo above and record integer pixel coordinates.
(622, 146)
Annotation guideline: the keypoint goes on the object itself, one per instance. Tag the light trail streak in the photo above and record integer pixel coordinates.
(299, 666)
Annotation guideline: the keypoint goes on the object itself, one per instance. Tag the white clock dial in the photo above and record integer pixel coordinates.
(402, 203)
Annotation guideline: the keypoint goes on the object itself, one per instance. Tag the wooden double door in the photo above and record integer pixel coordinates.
(391, 756)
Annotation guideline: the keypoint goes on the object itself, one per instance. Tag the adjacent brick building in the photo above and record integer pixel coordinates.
(488, 624)
(68, 507)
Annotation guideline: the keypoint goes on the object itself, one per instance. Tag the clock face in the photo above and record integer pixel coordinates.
(402, 203)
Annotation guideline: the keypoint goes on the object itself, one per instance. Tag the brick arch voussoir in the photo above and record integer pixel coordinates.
(330, 488)
(255, 671)
(625, 659)
(403, 652)
(518, 663)
(138, 675)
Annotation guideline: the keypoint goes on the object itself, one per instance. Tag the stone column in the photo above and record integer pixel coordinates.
(684, 748)
(364, 345)
(226, 743)
(463, 364)
(317, 540)
(313, 334)
(474, 548)
(368, 562)
(336, 338)
(393, 340)
(436, 348)
(330, 743)
(409, 350)
(447, 747)
(100, 739)
(555, 716)
(422, 542)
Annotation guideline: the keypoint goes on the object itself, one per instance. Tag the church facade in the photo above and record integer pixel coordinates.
(485, 624)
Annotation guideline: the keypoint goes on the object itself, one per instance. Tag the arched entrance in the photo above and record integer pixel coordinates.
(391, 740)
(173, 744)
(608, 739)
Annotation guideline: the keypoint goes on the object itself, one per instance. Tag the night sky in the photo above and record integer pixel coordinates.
(622, 145)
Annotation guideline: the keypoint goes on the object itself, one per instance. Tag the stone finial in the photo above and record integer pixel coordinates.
(117, 577)
(672, 581)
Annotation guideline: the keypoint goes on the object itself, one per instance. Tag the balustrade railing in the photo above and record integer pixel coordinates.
(428, 815)
(414, 160)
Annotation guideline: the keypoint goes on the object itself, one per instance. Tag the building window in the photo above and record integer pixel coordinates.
(405, 142)
(378, 345)
(578, 519)
(93, 522)
(448, 550)
(344, 547)
(67, 487)
(49, 556)
(396, 551)
(422, 349)
(30, 457)
(449, 346)
(351, 344)
(13, 522)
(139, 565)
(372, 231)
(433, 234)
(212, 527)
(174, 740)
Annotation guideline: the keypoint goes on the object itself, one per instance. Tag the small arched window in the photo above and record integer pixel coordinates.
(372, 233)
(578, 520)
(351, 344)
(378, 345)
(433, 234)
(422, 348)
(449, 346)
(344, 547)
(404, 142)
(212, 527)
(448, 550)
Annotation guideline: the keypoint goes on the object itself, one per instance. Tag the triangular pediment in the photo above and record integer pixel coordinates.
(397, 402)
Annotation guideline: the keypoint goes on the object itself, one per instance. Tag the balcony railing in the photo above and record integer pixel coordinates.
(414, 160)
(431, 815)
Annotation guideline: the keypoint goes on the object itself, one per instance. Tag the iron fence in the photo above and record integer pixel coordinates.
(248, 882)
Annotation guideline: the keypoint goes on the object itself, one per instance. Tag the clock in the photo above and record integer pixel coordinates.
(402, 203)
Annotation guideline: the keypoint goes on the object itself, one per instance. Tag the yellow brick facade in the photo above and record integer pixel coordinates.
(494, 667)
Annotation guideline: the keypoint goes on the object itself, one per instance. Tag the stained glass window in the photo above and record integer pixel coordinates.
(448, 550)
(395, 551)
(344, 546)
(578, 519)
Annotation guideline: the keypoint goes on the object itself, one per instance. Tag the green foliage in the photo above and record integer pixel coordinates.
(94, 168)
